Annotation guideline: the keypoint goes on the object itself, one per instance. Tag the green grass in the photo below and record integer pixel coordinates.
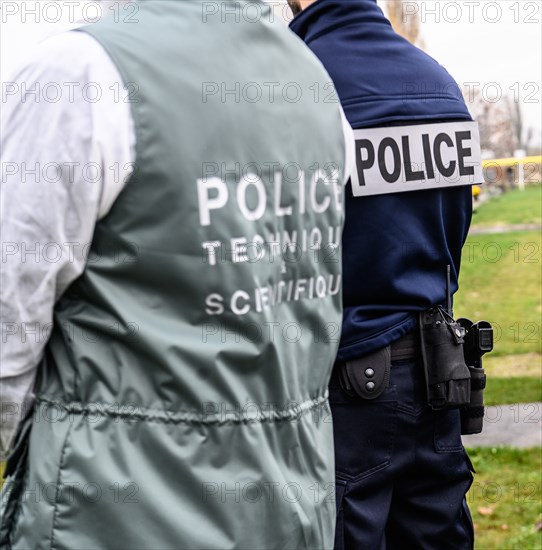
(505, 498)
(526, 364)
(514, 207)
(519, 389)
(501, 281)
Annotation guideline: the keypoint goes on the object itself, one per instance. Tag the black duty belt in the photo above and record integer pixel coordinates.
(408, 347)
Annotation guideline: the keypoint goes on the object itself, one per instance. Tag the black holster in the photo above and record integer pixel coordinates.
(472, 415)
(478, 342)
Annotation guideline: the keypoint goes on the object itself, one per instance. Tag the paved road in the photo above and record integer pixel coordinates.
(493, 229)
(518, 425)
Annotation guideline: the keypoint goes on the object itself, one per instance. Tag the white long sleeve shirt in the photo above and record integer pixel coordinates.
(67, 149)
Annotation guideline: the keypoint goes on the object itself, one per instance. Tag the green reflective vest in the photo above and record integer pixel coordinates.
(182, 402)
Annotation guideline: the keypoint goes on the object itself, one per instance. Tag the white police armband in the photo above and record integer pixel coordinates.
(411, 158)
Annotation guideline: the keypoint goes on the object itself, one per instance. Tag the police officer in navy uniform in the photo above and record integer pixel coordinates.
(402, 471)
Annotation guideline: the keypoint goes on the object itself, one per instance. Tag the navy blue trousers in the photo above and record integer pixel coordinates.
(402, 471)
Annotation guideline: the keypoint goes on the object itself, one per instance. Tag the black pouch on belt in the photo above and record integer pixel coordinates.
(367, 376)
(447, 376)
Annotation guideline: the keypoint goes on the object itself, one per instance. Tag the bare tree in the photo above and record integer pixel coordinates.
(500, 123)
(406, 24)
(523, 134)
(516, 116)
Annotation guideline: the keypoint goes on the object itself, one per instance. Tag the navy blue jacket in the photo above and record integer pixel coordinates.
(395, 247)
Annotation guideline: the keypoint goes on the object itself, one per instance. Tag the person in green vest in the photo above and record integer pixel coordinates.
(172, 208)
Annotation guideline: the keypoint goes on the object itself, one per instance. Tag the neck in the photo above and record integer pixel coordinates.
(299, 5)
(325, 15)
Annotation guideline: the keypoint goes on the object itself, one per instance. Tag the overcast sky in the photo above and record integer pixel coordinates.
(496, 46)
(507, 52)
